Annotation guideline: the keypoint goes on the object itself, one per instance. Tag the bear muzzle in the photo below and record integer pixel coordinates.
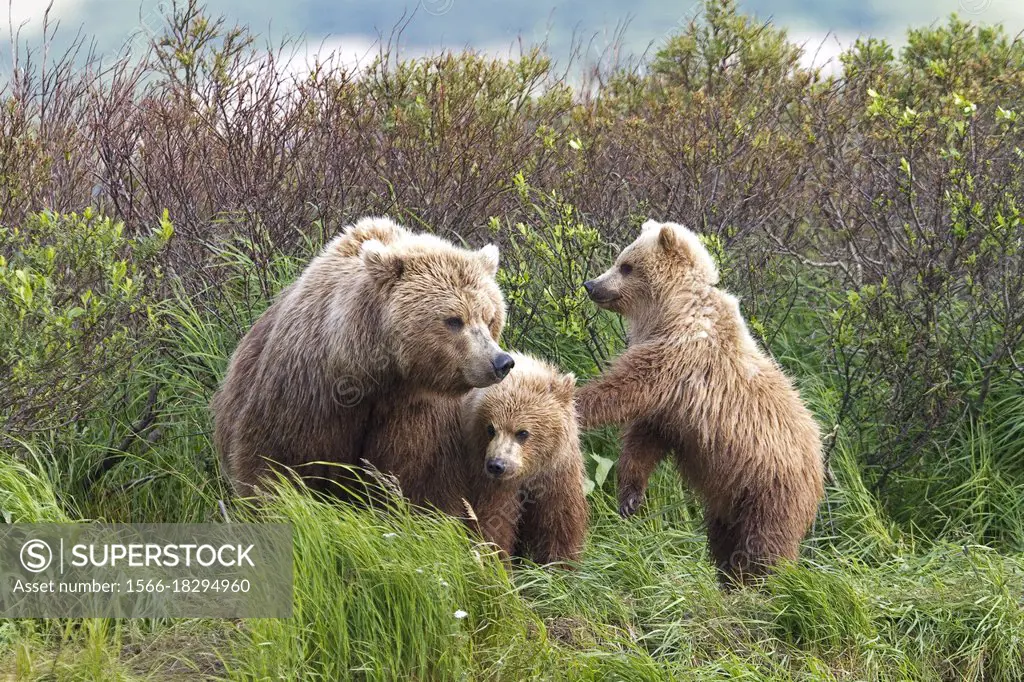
(504, 457)
(501, 468)
(502, 364)
(598, 292)
(487, 364)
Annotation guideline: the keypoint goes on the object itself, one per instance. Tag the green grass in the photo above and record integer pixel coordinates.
(377, 595)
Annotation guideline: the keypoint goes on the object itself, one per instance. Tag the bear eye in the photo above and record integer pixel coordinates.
(490, 431)
(521, 436)
(625, 268)
(455, 324)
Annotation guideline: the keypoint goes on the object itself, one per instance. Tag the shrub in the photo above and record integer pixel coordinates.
(74, 299)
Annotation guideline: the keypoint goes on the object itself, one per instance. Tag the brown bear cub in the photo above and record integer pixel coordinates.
(525, 469)
(695, 382)
(380, 314)
(511, 451)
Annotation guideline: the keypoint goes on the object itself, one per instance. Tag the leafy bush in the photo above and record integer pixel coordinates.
(546, 260)
(75, 302)
(921, 237)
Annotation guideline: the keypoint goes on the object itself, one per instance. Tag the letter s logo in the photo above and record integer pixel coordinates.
(36, 556)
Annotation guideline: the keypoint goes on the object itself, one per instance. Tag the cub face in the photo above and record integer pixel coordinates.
(518, 429)
(645, 272)
(444, 311)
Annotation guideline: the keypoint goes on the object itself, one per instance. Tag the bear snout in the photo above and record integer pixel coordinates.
(486, 363)
(499, 468)
(599, 292)
(502, 364)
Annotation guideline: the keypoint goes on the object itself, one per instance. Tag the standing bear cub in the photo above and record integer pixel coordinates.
(379, 314)
(693, 381)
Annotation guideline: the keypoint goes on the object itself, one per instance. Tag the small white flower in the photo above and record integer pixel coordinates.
(444, 583)
(460, 614)
(388, 536)
(419, 570)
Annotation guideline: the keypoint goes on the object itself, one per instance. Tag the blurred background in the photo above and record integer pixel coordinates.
(587, 28)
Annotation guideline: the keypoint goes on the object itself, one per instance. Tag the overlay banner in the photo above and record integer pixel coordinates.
(94, 570)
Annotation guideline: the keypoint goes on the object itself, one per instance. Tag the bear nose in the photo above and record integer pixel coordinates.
(589, 286)
(502, 364)
(495, 467)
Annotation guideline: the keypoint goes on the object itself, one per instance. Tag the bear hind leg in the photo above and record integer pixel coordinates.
(722, 546)
(746, 548)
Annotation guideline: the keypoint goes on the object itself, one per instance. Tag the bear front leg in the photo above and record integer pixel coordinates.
(641, 452)
(622, 393)
(555, 519)
(498, 513)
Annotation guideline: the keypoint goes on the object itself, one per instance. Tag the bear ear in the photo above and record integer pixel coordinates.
(383, 264)
(649, 225)
(667, 238)
(489, 255)
(698, 255)
(563, 386)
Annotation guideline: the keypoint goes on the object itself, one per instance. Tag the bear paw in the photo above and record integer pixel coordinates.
(629, 502)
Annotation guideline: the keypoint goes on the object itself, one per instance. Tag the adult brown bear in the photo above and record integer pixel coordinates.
(380, 314)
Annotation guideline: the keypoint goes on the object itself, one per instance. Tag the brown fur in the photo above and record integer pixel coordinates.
(693, 381)
(417, 439)
(437, 446)
(362, 327)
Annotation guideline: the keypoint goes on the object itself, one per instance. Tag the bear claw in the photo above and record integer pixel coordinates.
(629, 503)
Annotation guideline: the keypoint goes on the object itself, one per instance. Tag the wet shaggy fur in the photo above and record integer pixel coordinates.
(417, 439)
(438, 446)
(380, 315)
(694, 382)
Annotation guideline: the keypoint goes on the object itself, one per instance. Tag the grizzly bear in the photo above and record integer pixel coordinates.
(693, 381)
(510, 451)
(379, 314)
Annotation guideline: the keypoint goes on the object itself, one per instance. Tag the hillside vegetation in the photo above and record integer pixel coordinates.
(870, 223)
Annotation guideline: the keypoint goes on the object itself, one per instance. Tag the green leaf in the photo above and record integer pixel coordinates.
(604, 465)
